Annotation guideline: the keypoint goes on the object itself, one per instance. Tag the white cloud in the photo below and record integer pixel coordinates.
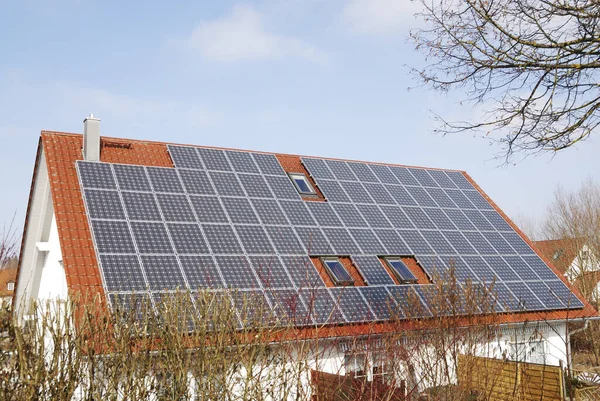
(241, 36)
(381, 16)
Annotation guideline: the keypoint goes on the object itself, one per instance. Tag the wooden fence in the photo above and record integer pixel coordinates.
(499, 380)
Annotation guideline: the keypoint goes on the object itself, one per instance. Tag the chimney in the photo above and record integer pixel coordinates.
(91, 138)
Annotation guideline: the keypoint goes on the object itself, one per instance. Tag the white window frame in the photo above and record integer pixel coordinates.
(294, 176)
(336, 281)
(356, 364)
(533, 351)
(10, 286)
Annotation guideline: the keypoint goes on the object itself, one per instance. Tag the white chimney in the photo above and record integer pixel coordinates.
(91, 138)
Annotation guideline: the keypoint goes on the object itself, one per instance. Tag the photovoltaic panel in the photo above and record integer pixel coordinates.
(478, 220)
(380, 301)
(254, 239)
(505, 297)
(526, 299)
(270, 272)
(151, 237)
(459, 219)
(352, 304)
(285, 240)
(268, 164)
(437, 304)
(372, 270)
(459, 179)
(479, 243)
(408, 302)
(222, 239)
(208, 209)
(237, 272)
(384, 174)
(422, 197)
(317, 168)
(459, 199)
(404, 176)
(367, 241)
(288, 307)
(122, 273)
(253, 308)
(340, 170)
(239, 210)
(539, 267)
(349, 215)
(501, 268)
(314, 241)
(196, 182)
(392, 242)
(440, 197)
(187, 238)
(141, 206)
(521, 268)
(324, 214)
(499, 243)
(185, 157)
(461, 270)
(400, 195)
(415, 242)
(112, 236)
(255, 186)
(439, 218)
(356, 192)
(342, 242)
(175, 207)
(282, 187)
(459, 242)
(135, 306)
(442, 179)
(214, 159)
(438, 242)
(104, 204)
(131, 178)
(242, 162)
(397, 217)
(163, 272)
(164, 179)
(478, 200)
(96, 175)
(423, 177)
(321, 306)
(226, 184)
(517, 243)
(435, 268)
(548, 298)
(333, 191)
(362, 172)
(269, 211)
(480, 268)
(297, 213)
(496, 220)
(558, 288)
(374, 217)
(201, 272)
(302, 272)
(379, 194)
(418, 217)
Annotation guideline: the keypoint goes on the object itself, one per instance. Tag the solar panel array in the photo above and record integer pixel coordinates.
(233, 220)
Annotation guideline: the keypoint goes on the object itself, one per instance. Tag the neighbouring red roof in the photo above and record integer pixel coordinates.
(8, 274)
(79, 258)
(561, 252)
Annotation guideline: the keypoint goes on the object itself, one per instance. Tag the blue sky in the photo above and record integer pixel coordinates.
(314, 77)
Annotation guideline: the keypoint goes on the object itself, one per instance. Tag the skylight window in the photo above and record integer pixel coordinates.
(337, 271)
(302, 184)
(402, 272)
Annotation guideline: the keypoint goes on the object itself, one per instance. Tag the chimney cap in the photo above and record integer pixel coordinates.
(91, 117)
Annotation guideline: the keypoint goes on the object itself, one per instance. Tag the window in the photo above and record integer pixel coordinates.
(10, 286)
(531, 351)
(302, 184)
(402, 272)
(337, 271)
(557, 254)
(355, 364)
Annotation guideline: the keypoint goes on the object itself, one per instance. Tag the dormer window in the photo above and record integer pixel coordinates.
(557, 254)
(10, 286)
(338, 273)
(302, 184)
(400, 270)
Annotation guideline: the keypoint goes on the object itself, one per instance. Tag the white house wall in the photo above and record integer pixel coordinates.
(53, 283)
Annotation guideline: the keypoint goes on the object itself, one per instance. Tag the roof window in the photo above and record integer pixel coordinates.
(10, 286)
(402, 272)
(302, 184)
(336, 270)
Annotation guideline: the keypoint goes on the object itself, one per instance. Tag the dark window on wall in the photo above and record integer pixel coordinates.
(302, 184)
(336, 270)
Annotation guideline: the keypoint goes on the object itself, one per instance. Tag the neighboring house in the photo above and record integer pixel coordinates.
(577, 261)
(8, 277)
(345, 239)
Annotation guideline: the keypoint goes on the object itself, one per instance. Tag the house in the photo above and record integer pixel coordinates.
(577, 261)
(8, 276)
(349, 242)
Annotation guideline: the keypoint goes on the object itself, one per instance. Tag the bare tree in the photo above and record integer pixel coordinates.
(9, 245)
(530, 63)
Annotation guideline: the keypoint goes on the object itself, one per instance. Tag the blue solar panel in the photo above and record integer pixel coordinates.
(185, 157)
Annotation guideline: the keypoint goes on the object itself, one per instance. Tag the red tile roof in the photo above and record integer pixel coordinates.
(561, 251)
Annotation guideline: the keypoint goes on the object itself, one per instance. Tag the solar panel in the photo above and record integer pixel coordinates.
(324, 214)
(501, 268)
(480, 268)
(341, 241)
(163, 272)
(332, 191)
(237, 272)
(526, 299)
(352, 304)
(317, 168)
(242, 162)
(422, 197)
(141, 206)
(285, 240)
(222, 239)
(418, 217)
(255, 186)
(459, 179)
(297, 213)
(187, 238)
(423, 177)
(439, 218)
(362, 172)
(209, 209)
(558, 288)
(196, 182)
(548, 298)
(214, 159)
(478, 220)
(252, 307)
(404, 176)
(505, 297)
(349, 215)
(379, 300)
(397, 217)
(438, 242)
(479, 243)
(459, 199)
(521, 268)
(384, 174)
(282, 187)
(367, 241)
(271, 272)
(539, 267)
(461, 270)
(201, 272)
(288, 306)
(499, 243)
(356, 192)
(440, 197)
(254, 239)
(96, 175)
(459, 242)
(379, 194)
(122, 273)
(517, 243)
(104, 204)
(136, 306)
(408, 302)
(459, 219)
(239, 210)
(175, 207)
(415, 242)
(321, 306)
(392, 242)
(374, 217)
(496, 220)
(185, 157)
(302, 272)
(269, 211)
(151, 237)
(314, 241)
(478, 200)
(340, 170)
(372, 270)
(164, 180)
(226, 184)
(131, 178)
(400, 195)
(441, 179)
(112, 236)
(268, 164)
